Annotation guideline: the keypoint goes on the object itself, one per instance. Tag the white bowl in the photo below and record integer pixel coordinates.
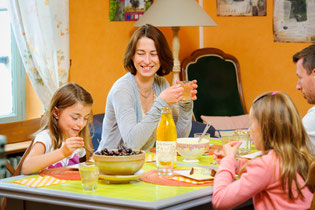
(190, 149)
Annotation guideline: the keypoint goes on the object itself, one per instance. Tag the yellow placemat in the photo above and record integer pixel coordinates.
(191, 181)
(171, 180)
(42, 181)
(149, 157)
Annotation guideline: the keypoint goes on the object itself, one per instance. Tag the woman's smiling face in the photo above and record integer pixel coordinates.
(146, 59)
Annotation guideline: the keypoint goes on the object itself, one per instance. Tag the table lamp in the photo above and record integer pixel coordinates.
(175, 13)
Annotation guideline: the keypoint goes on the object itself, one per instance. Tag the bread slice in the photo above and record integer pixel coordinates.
(202, 172)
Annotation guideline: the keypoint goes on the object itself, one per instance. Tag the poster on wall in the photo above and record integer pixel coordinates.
(293, 21)
(127, 10)
(241, 8)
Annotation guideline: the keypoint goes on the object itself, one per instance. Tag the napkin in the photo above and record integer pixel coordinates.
(188, 180)
(42, 181)
(149, 158)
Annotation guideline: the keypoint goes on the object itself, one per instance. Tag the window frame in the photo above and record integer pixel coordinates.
(18, 86)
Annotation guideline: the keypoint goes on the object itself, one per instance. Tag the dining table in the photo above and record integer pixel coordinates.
(135, 194)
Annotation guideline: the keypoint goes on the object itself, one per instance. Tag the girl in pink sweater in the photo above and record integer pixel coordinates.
(276, 179)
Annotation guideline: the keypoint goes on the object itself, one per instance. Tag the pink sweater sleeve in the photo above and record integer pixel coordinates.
(229, 193)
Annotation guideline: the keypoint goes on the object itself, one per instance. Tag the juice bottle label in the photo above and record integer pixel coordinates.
(166, 151)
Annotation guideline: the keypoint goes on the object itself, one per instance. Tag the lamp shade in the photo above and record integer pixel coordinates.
(175, 13)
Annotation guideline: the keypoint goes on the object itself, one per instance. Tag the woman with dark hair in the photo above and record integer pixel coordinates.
(133, 107)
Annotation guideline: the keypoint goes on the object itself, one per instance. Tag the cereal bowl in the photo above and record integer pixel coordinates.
(120, 165)
(190, 149)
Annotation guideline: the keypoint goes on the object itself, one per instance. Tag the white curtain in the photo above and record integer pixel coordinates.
(41, 29)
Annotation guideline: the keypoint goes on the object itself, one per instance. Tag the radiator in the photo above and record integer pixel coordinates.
(14, 161)
(2, 156)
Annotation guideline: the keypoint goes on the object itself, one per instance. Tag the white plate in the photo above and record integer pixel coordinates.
(120, 178)
(73, 166)
(252, 155)
(185, 173)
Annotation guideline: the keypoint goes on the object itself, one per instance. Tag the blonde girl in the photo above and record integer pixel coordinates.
(276, 179)
(59, 142)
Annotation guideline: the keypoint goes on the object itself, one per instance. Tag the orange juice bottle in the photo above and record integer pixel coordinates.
(166, 142)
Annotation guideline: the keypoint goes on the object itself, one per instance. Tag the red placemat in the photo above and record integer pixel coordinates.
(153, 149)
(62, 173)
(153, 178)
(212, 148)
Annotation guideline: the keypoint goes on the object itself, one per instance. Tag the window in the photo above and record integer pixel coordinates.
(12, 73)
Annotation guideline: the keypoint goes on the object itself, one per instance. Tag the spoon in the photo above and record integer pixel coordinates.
(204, 131)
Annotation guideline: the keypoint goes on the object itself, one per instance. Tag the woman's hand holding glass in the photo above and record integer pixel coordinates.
(189, 92)
(173, 94)
(194, 90)
(71, 144)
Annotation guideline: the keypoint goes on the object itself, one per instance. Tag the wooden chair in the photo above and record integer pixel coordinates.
(311, 181)
(19, 139)
(219, 83)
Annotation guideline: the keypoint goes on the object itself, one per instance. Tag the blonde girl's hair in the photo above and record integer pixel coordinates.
(66, 96)
(282, 131)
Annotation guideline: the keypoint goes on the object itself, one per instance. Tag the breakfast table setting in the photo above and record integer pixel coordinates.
(191, 184)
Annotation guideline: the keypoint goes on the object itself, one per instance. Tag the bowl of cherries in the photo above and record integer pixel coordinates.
(121, 161)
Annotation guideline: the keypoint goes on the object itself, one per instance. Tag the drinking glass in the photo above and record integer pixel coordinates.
(228, 139)
(164, 166)
(187, 91)
(243, 148)
(243, 136)
(89, 175)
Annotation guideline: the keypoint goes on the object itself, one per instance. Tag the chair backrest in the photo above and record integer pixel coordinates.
(219, 83)
(311, 181)
(96, 130)
(20, 131)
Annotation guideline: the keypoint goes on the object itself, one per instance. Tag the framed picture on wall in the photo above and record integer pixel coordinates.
(293, 21)
(241, 8)
(127, 10)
